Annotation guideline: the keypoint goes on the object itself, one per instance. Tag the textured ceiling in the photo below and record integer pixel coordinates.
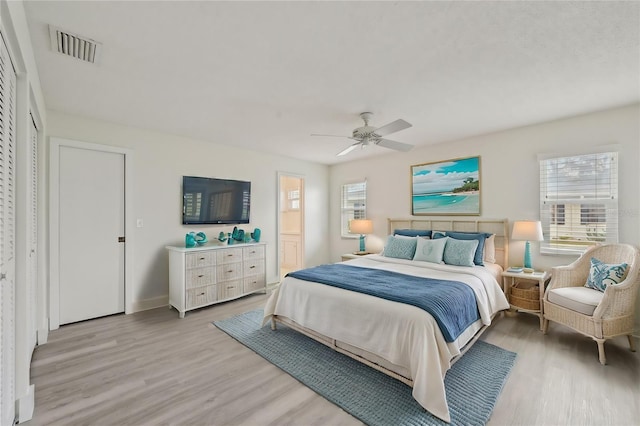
(265, 75)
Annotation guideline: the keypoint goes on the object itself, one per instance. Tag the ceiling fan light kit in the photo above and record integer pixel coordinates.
(367, 135)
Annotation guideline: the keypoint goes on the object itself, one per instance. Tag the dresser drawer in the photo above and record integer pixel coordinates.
(200, 259)
(253, 267)
(200, 277)
(201, 296)
(229, 289)
(230, 271)
(257, 282)
(253, 252)
(229, 255)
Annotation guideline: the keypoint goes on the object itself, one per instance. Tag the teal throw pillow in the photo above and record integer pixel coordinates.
(430, 250)
(460, 252)
(400, 247)
(603, 274)
(480, 236)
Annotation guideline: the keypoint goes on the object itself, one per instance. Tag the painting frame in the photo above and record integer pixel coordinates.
(447, 187)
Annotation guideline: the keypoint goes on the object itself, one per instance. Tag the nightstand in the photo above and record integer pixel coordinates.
(509, 279)
(349, 256)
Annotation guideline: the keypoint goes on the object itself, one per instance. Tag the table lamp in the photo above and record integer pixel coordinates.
(362, 227)
(527, 230)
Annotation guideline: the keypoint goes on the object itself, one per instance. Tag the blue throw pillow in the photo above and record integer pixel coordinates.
(459, 252)
(413, 232)
(400, 247)
(479, 236)
(603, 274)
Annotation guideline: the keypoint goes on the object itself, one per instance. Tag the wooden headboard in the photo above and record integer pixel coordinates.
(499, 227)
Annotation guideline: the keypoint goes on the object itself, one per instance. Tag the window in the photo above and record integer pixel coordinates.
(578, 201)
(557, 214)
(293, 199)
(592, 213)
(354, 202)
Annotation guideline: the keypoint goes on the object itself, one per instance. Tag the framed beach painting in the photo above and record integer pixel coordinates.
(449, 187)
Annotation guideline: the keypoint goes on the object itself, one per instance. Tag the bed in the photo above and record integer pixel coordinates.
(402, 340)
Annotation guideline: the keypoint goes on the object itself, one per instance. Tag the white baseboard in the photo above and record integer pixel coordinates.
(25, 405)
(42, 336)
(146, 304)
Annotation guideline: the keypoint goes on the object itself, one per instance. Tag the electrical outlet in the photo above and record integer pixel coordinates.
(139, 223)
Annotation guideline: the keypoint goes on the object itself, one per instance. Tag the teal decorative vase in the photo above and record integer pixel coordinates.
(190, 240)
(222, 237)
(256, 235)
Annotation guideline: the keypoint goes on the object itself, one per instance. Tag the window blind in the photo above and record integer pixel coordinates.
(353, 205)
(578, 201)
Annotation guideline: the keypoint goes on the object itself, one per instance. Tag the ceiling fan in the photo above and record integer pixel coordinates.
(367, 135)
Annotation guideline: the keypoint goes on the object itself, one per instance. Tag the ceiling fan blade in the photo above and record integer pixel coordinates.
(394, 126)
(349, 149)
(398, 146)
(332, 136)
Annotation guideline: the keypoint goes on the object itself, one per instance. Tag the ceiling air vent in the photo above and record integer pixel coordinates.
(73, 45)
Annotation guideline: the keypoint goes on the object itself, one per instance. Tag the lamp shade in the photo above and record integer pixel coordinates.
(527, 230)
(361, 226)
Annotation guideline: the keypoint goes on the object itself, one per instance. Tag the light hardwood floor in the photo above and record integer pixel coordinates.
(153, 368)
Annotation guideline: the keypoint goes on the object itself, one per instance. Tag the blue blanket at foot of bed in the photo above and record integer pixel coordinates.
(451, 303)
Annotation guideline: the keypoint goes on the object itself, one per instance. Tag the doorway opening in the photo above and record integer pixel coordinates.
(290, 223)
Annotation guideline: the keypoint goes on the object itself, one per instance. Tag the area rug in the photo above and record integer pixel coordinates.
(473, 384)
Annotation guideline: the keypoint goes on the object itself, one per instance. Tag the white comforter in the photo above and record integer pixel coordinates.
(402, 334)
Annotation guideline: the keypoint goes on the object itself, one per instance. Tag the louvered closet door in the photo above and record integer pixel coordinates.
(7, 233)
(32, 273)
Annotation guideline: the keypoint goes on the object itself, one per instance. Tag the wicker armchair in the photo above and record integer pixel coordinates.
(602, 315)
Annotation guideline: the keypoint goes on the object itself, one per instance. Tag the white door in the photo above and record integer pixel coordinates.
(91, 221)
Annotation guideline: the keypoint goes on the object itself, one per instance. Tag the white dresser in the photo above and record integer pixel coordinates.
(202, 276)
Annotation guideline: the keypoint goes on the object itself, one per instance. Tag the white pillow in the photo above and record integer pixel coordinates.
(430, 250)
(490, 249)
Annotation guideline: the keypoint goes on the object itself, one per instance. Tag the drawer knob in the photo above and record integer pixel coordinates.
(201, 294)
(230, 270)
(252, 266)
(200, 276)
(231, 286)
(202, 258)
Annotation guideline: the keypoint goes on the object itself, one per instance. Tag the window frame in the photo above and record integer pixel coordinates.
(588, 183)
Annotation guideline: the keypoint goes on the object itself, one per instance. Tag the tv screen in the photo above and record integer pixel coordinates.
(208, 201)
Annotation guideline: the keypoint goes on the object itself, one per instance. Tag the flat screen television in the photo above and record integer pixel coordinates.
(209, 201)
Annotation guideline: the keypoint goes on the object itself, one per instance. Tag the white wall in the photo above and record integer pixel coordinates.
(160, 162)
(509, 177)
